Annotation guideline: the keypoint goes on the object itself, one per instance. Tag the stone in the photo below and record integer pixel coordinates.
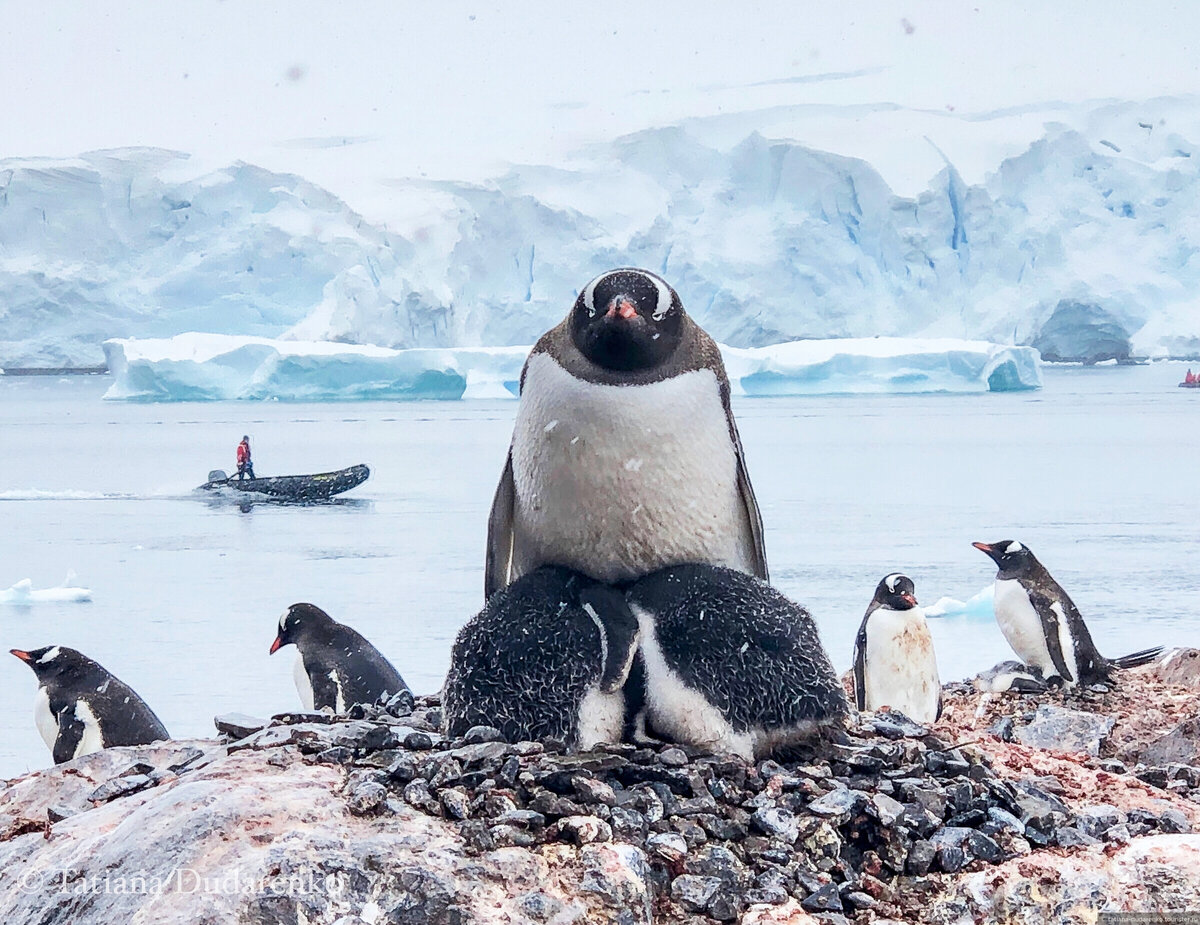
(1068, 836)
(583, 830)
(455, 803)
(590, 790)
(920, 858)
(673, 757)
(477, 734)
(670, 846)
(368, 799)
(239, 725)
(826, 899)
(886, 809)
(1097, 818)
(840, 803)
(777, 823)
(1174, 822)
(1058, 729)
(694, 893)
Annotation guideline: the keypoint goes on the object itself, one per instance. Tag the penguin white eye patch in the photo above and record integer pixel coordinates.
(1013, 547)
(661, 308)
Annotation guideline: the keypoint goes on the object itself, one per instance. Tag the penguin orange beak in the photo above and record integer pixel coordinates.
(983, 547)
(275, 646)
(908, 597)
(621, 307)
(22, 655)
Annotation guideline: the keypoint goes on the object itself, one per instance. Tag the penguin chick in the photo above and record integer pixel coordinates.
(729, 663)
(546, 658)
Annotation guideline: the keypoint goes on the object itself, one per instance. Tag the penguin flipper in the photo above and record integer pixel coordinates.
(860, 665)
(749, 502)
(70, 734)
(1044, 607)
(324, 688)
(498, 565)
(619, 632)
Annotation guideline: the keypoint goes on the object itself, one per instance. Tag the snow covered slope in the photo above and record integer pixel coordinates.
(1086, 244)
(215, 367)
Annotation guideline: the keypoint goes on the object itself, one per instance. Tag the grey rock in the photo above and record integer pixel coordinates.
(1068, 836)
(670, 846)
(1003, 819)
(887, 810)
(239, 725)
(826, 899)
(455, 803)
(477, 734)
(1058, 729)
(1173, 822)
(120, 786)
(840, 803)
(1097, 818)
(777, 823)
(583, 830)
(368, 799)
(920, 858)
(673, 757)
(694, 893)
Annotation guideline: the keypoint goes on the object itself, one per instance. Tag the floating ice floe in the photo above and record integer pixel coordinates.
(218, 367)
(23, 592)
(979, 606)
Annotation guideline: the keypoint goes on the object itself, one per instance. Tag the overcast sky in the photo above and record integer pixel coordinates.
(453, 89)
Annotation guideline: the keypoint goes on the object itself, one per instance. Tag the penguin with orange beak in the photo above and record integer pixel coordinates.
(336, 667)
(81, 708)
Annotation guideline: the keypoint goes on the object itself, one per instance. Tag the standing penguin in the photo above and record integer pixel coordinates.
(336, 667)
(894, 662)
(547, 657)
(80, 708)
(625, 456)
(1042, 624)
(728, 663)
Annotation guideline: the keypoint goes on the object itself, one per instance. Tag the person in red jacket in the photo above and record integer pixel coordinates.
(245, 466)
(1189, 378)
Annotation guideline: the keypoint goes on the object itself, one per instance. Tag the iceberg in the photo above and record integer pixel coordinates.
(23, 593)
(980, 606)
(220, 367)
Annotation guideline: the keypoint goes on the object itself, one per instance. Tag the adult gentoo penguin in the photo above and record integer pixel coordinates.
(547, 657)
(80, 708)
(729, 663)
(894, 661)
(1043, 625)
(625, 456)
(336, 667)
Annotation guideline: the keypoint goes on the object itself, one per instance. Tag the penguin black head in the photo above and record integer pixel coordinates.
(1009, 555)
(58, 666)
(300, 621)
(896, 592)
(627, 320)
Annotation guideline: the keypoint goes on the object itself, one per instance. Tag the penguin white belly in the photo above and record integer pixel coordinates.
(601, 718)
(92, 740)
(303, 684)
(47, 725)
(680, 712)
(618, 481)
(1022, 627)
(901, 668)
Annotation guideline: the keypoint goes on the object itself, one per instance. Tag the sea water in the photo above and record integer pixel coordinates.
(1098, 473)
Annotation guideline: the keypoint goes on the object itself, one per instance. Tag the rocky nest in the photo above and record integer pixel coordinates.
(1010, 807)
(848, 828)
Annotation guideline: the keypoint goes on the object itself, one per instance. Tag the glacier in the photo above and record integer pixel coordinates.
(221, 367)
(1085, 245)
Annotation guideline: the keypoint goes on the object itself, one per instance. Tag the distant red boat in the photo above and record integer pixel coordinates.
(1190, 381)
